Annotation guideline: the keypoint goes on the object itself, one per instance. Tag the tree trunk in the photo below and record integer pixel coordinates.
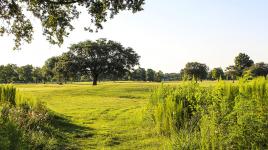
(95, 79)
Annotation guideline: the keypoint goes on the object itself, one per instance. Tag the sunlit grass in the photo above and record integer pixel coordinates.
(110, 113)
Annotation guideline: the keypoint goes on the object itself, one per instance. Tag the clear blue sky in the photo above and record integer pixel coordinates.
(168, 34)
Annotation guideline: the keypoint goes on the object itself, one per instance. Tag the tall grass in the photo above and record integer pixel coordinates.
(8, 94)
(23, 124)
(225, 116)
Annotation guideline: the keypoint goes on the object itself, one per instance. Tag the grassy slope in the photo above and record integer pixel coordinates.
(107, 116)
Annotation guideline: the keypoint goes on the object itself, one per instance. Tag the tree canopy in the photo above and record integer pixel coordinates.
(242, 61)
(56, 16)
(196, 70)
(231, 71)
(259, 69)
(217, 73)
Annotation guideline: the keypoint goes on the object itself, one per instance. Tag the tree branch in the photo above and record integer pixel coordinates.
(63, 2)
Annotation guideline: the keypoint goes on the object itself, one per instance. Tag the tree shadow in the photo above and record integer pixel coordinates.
(68, 133)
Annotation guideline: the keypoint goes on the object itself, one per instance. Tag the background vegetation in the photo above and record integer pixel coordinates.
(62, 69)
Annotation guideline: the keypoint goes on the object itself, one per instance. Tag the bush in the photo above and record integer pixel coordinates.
(226, 116)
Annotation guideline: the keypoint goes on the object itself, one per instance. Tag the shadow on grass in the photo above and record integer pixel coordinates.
(68, 133)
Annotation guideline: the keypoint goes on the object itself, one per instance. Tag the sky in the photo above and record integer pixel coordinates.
(167, 34)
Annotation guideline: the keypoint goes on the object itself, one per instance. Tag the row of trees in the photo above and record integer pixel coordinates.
(94, 59)
(53, 71)
(243, 66)
(141, 74)
(109, 60)
(25, 74)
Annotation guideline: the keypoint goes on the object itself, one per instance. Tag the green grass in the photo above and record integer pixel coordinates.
(107, 116)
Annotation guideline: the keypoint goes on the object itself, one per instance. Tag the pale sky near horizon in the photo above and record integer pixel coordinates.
(168, 34)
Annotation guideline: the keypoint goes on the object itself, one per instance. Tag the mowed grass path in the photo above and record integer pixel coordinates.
(107, 116)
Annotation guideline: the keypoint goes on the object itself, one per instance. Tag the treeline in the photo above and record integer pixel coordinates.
(62, 69)
(243, 66)
(12, 73)
(142, 74)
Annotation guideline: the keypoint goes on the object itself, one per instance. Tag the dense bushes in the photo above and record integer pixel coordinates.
(23, 125)
(226, 116)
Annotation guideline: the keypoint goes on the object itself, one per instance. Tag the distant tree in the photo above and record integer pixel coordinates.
(48, 69)
(56, 16)
(104, 58)
(8, 73)
(231, 72)
(217, 73)
(171, 76)
(196, 70)
(209, 77)
(150, 74)
(259, 69)
(159, 76)
(66, 67)
(26, 73)
(139, 74)
(242, 62)
(37, 75)
(183, 75)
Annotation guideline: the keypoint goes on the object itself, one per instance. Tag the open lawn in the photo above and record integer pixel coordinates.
(107, 116)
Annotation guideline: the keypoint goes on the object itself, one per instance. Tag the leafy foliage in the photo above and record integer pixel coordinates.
(242, 62)
(195, 70)
(104, 58)
(259, 69)
(217, 73)
(56, 16)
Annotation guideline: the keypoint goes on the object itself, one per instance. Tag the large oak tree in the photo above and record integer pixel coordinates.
(56, 16)
(104, 57)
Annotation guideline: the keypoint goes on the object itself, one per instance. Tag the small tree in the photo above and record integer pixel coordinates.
(139, 74)
(217, 73)
(159, 76)
(48, 69)
(37, 75)
(150, 75)
(242, 62)
(196, 70)
(232, 72)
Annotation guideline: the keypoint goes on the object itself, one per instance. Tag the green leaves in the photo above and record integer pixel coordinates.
(56, 16)
(103, 57)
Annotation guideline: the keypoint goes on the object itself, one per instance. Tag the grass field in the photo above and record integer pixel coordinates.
(107, 116)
